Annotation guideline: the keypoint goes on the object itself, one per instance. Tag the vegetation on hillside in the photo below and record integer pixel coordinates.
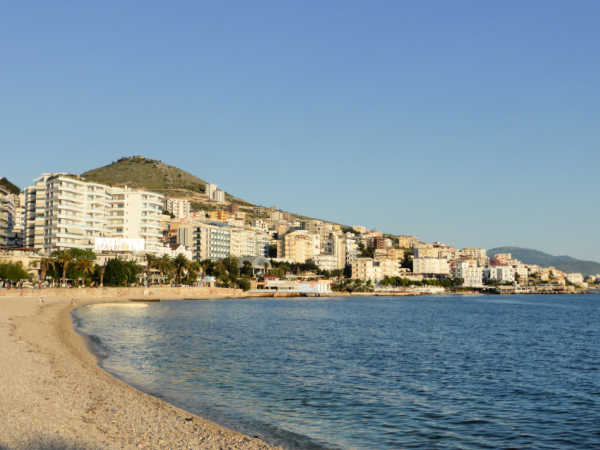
(564, 263)
(12, 188)
(138, 171)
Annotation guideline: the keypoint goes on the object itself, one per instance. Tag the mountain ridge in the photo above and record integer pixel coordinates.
(563, 262)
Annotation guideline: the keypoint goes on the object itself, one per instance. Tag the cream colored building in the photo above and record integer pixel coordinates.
(299, 246)
(179, 207)
(434, 266)
(375, 270)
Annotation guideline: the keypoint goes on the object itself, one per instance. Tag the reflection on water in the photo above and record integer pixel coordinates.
(518, 371)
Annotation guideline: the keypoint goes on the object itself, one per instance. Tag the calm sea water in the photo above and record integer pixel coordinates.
(372, 372)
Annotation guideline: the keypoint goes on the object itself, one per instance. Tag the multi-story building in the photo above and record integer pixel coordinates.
(574, 278)
(219, 196)
(325, 262)
(351, 248)
(299, 246)
(136, 214)
(7, 211)
(211, 241)
(502, 274)
(473, 253)
(210, 190)
(64, 211)
(432, 266)
(179, 207)
(471, 276)
(335, 245)
(375, 270)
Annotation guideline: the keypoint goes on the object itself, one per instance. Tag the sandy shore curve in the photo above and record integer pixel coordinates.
(54, 395)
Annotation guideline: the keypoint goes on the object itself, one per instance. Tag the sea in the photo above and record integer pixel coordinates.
(368, 372)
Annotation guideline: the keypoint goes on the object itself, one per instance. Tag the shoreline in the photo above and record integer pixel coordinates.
(55, 395)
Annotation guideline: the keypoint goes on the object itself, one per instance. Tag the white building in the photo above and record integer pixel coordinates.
(210, 190)
(502, 274)
(433, 266)
(208, 240)
(64, 211)
(575, 278)
(325, 262)
(7, 211)
(219, 196)
(472, 276)
(179, 207)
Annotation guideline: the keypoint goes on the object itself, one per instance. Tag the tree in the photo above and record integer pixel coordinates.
(181, 263)
(120, 273)
(243, 283)
(247, 269)
(63, 258)
(13, 272)
(45, 264)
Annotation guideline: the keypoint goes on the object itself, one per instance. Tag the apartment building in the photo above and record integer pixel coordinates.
(135, 214)
(179, 207)
(64, 211)
(472, 276)
(502, 274)
(299, 246)
(210, 241)
(431, 266)
(325, 262)
(375, 270)
(7, 211)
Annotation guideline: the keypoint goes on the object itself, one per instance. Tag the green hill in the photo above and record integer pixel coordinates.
(13, 189)
(564, 263)
(137, 171)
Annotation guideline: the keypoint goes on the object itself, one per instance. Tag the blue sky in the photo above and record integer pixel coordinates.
(472, 123)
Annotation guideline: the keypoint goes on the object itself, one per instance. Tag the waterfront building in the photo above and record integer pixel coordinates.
(7, 212)
(64, 211)
(299, 246)
(179, 207)
(502, 274)
(472, 276)
(431, 266)
(375, 270)
(574, 278)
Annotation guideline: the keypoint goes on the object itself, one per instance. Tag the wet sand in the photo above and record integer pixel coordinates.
(54, 395)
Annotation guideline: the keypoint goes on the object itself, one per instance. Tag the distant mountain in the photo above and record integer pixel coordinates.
(13, 189)
(564, 263)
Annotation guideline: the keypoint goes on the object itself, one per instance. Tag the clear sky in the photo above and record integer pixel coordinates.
(473, 123)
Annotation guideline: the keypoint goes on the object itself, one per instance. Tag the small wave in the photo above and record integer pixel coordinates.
(120, 305)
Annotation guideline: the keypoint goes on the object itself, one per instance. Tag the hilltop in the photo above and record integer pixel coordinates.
(140, 172)
(563, 263)
(13, 189)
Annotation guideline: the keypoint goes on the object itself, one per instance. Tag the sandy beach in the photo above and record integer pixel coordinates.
(54, 396)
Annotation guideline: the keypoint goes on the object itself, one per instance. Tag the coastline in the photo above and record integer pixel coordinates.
(54, 395)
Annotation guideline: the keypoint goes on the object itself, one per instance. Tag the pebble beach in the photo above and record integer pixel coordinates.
(54, 395)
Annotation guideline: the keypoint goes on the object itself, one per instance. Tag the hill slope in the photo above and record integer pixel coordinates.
(564, 263)
(137, 171)
(13, 189)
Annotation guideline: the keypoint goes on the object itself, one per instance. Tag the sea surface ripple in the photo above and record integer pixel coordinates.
(369, 372)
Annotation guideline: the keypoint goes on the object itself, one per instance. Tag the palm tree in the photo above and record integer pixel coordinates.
(181, 263)
(151, 262)
(165, 265)
(86, 266)
(45, 264)
(101, 270)
(65, 258)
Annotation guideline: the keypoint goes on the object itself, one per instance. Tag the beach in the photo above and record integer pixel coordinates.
(54, 395)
